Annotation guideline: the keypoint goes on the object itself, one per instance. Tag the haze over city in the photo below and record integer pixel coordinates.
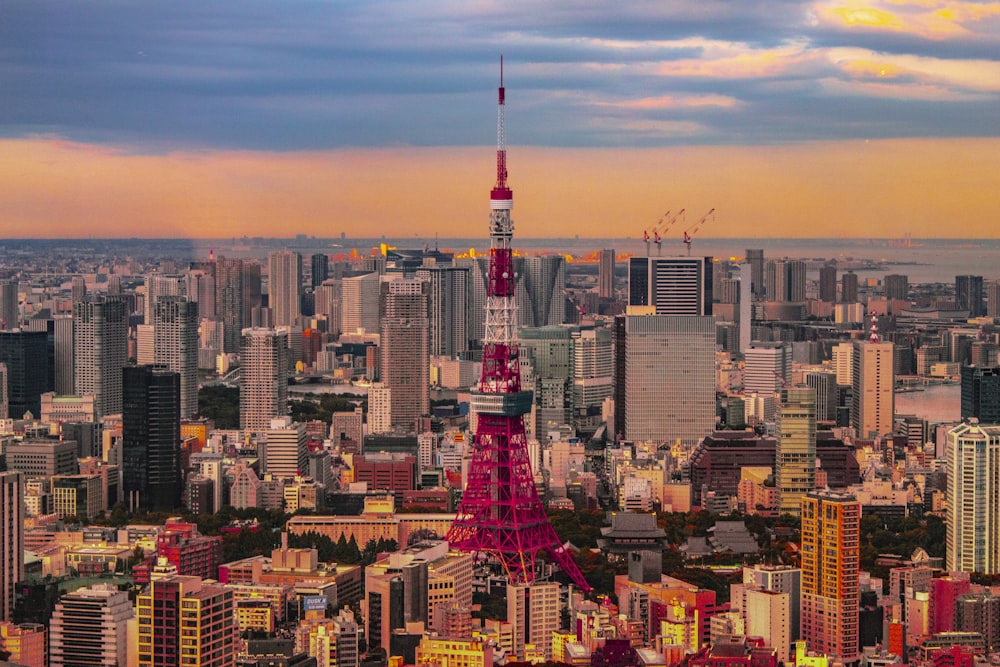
(221, 119)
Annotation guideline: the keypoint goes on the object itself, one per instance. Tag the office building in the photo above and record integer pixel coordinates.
(11, 539)
(767, 367)
(90, 627)
(379, 408)
(184, 621)
(10, 317)
(229, 301)
(62, 355)
(100, 350)
(842, 362)
(993, 299)
(25, 644)
(26, 356)
(42, 457)
(795, 459)
(593, 376)
(896, 287)
(79, 496)
(972, 452)
(779, 579)
(755, 258)
(969, 295)
(768, 616)
(849, 287)
(796, 281)
(671, 285)
(285, 287)
(665, 377)
(831, 529)
(285, 450)
(545, 287)
(319, 269)
(360, 305)
(873, 398)
(329, 296)
(4, 396)
(405, 351)
(533, 611)
(264, 378)
(606, 274)
(828, 283)
(253, 294)
(159, 285)
(827, 394)
(550, 353)
(981, 394)
(151, 438)
(175, 347)
(447, 296)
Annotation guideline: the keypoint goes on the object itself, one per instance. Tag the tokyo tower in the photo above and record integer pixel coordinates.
(501, 516)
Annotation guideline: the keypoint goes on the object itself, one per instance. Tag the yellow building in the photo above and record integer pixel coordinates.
(254, 615)
(26, 643)
(184, 621)
(453, 653)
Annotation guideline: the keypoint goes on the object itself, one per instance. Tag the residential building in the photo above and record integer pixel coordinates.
(972, 452)
(264, 378)
(285, 286)
(186, 622)
(175, 347)
(100, 350)
(405, 351)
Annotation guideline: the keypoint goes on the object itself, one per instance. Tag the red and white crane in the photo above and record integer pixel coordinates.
(693, 229)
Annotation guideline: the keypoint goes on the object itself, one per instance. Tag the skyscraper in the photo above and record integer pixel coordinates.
(405, 349)
(11, 539)
(831, 533)
(795, 458)
(151, 437)
(26, 356)
(849, 287)
(606, 274)
(828, 283)
(285, 451)
(9, 311)
(329, 303)
(229, 301)
(873, 399)
(767, 367)
(319, 265)
(981, 394)
(90, 627)
(159, 285)
(969, 295)
(665, 379)
(550, 350)
(447, 309)
(100, 350)
(360, 305)
(545, 284)
(755, 258)
(252, 292)
(593, 376)
(671, 285)
(842, 361)
(264, 378)
(175, 345)
(184, 621)
(896, 286)
(827, 394)
(796, 280)
(973, 528)
(285, 286)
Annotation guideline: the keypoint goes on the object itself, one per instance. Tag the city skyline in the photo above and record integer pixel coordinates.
(829, 119)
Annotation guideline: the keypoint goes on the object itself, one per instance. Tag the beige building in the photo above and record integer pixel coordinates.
(874, 400)
(533, 612)
(795, 458)
(454, 653)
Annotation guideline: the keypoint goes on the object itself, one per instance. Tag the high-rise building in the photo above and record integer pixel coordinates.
(873, 399)
(184, 621)
(263, 379)
(252, 291)
(755, 258)
(100, 350)
(767, 367)
(776, 279)
(360, 306)
(90, 627)
(827, 394)
(229, 301)
(746, 307)
(175, 346)
(379, 408)
(795, 458)
(849, 287)
(11, 539)
(665, 377)
(606, 274)
(545, 284)
(78, 291)
(405, 351)
(969, 295)
(767, 616)
(779, 579)
(550, 351)
(25, 353)
(972, 452)
(25, 644)
(993, 299)
(593, 376)
(981, 394)
(533, 613)
(10, 317)
(151, 437)
(796, 280)
(285, 286)
(329, 297)
(896, 286)
(62, 355)
(159, 285)
(671, 285)
(828, 283)
(4, 396)
(319, 265)
(831, 533)
(448, 293)
(842, 361)
(285, 450)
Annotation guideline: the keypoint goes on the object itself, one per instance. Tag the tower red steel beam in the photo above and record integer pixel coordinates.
(501, 516)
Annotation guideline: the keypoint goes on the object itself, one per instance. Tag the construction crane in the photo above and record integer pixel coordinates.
(580, 309)
(645, 232)
(781, 379)
(693, 229)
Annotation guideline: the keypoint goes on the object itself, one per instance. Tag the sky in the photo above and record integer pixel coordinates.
(224, 118)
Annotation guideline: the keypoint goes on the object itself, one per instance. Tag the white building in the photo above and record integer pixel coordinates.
(533, 612)
(973, 527)
(285, 449)
(379, 408)
(263, 379)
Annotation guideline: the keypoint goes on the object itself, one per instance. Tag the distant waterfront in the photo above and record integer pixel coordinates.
(936, 403)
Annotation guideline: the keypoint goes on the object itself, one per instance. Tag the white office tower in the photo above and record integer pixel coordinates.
(842, 361)
(593, 375)
(285, 452)
(263, 378)
(379, 408)
(285, 286)
(746, 307)
(973, 528)
(666, 390)
(175, 323)
(533, 612)
(100, 351)
(795, 459)
(90, 627)
(359, 309)
(158, 285)
(145, 344)
(767, 367)
(11, 540)
(873, 399)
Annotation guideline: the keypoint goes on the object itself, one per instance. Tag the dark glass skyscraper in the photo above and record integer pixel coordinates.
(981, 394)
(969, 295)
(151, 437)
(26, 354)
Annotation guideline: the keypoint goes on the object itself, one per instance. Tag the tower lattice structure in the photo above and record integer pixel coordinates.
(501, 516)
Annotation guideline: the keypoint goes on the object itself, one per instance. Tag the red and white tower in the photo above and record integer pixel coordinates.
(501, 516)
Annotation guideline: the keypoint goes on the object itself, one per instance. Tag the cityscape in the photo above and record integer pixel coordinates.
(287, 379)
